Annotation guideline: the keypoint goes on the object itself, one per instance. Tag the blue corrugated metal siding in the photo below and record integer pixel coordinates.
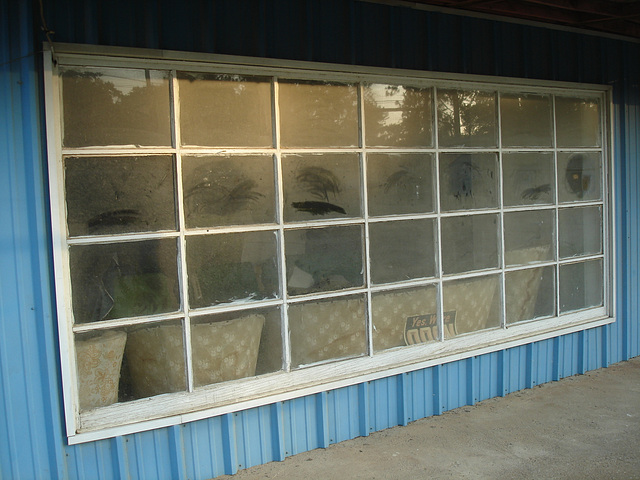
(32, 443)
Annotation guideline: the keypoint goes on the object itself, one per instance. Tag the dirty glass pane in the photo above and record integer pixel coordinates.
(401, 250)
(321, 186)
(474, 303)
(225, 110)
(579, 177)
(327, 329)
(526, 120)
(528, 178)
(468, 181)
(324, 259)
(578, 122)
(530, 294)
(398, 116)
(404, 317)
(466, 118)
(235, 345)
(469, 243)
(231, 267)
(228, 190)
(580, 231)
(528, 237)
(314, 114)
(115, 106)
(120, 280)
(581, 285)
(111, 195)
(125, 364)
(400, 183)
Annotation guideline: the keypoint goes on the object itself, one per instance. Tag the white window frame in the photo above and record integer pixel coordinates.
(176, 408)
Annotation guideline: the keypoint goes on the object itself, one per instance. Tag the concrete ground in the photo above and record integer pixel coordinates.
(582, 427)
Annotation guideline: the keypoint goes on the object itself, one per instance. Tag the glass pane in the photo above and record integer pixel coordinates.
(327, 329)
(99, 361)
(468, 181)
(110, 195)
(528, 178)
(321, 186)
(579, 176)
(400, 183)
(469, 243)
(324, 259)
(528, 237)
(120, 280)
(228, 190)
(577, 122)
(466, 118)
(404, 317)
(231, 267)
(580, 231)
(318, 115)
(401, 250)
(109, 106)
(225, 110)
(474, 303)
(581, 285)
(526, 120)
(235, 345)
(530, 294)
(398, 116)
(154, 361)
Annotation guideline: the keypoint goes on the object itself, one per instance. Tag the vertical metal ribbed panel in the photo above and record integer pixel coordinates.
(32, 443)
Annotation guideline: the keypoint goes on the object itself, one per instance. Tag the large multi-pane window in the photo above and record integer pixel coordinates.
(220, 224)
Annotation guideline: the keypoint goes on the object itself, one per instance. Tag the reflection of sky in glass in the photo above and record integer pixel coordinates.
(389, 100)
(126, 80)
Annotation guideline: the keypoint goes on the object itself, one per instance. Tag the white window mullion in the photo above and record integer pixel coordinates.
(182, 240)
(556, 204)
(438, 229)
(501, 246)
(282, 264)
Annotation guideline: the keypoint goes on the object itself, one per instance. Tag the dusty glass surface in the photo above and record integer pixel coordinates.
(528, 178)
(468, 181)
(578, 122)
(225, 110)
(530, 294)
(111, 195)
(314, 114)
(400, 183)
(401, 250)
(128, 279)
(327, 329)
(321, 186)
(473, 302)
(232, 267)
(526, 120)
(324, 259)
(469, 243)
(528, 237)
(579, 177)
(404, 317)
(124, 364)
(581, 285)
(580, 231)
(115, 106)
(228, 190)
(235, 345)
(398, 116)
(466, 118)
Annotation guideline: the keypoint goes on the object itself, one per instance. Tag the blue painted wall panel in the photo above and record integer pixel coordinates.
(32, 443)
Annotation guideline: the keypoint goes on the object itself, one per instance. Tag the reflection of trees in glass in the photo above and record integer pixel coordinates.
(320, 183)
(99, 112)
(463, 114)
(398, 115)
